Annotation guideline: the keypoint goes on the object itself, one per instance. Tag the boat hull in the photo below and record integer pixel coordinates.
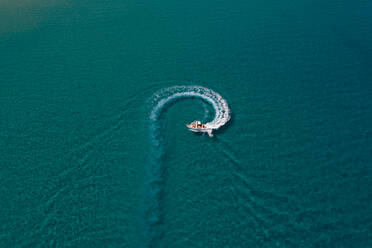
(200, 130)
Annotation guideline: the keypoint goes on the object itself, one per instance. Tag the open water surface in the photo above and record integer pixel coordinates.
(292, 168)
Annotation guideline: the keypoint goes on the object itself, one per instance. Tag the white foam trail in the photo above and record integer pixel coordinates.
(151, 216)
(165, 96)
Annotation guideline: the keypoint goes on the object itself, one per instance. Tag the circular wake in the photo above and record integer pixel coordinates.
(165, 96)
(151, 216)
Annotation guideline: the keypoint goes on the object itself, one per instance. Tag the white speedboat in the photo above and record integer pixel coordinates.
(198, 127)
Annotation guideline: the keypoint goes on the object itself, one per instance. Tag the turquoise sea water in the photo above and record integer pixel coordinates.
(292, 168)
